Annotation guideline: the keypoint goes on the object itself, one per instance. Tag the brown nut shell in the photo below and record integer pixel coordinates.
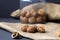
(31, 29)
(41, 12)
(39, 19)
(28, 14)
(24, 19)
(41, 29)
(33, 13)
(23, 13)
(21, 17)
(24, 28)
(32, 20)
(44, 18)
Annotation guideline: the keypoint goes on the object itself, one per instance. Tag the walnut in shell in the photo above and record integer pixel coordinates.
(41, 29)
(33, 13)
(39, 19)
(44, 18)
(24, 28)
(24, 19)
(32, 20)
(31, 29)
(23, 13)
(21, 17)
(41, 12)
(28, 14)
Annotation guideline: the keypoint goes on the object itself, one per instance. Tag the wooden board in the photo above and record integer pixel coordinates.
(14, 25)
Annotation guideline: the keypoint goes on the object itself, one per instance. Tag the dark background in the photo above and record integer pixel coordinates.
(7, 6)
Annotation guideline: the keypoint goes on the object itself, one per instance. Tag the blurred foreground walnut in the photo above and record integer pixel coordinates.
(24, 19)
(31, 29)
(24, 28)
(41, 29)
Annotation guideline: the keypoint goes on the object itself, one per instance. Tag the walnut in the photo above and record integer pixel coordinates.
(24, 28)
(32, 20)
(28, 14)
(41, 12)
(23, 13)
(41, 29)
(24, 20)
(44, 18)
(31, 29)
(39, 19)
(33, 13)
(21, 17)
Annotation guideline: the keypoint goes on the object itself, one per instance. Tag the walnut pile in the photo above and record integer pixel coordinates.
(33, 29)
(29, 29)
(33, 16)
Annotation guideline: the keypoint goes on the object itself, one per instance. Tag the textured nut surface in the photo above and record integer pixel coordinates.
(32, 20)
(44, 18)
(23, 13)
(28, 14)
(15, 35)
(33, 13)
(39, 19)
(41, 11)
(24, 20)
(21, 17)
(24, 28)
(41, 29)
(31, 29)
